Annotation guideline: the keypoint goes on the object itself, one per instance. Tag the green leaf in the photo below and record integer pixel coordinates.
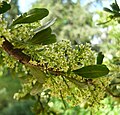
(100, 58)
(45, 26)
(80, 85)
(37, 88)
(115, 7)
(43, 37)
(51, 39)
(31, 16)
(38, 74)
(107, 10)
(92, 71)
(4, 7)
(40, 35)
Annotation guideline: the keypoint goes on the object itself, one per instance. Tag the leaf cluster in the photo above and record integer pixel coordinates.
(114, 11)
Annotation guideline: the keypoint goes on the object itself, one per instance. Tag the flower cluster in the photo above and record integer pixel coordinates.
(63, 57)
(60, 57)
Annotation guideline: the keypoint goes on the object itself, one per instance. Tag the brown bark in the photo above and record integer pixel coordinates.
(23, 58)
(15, 52)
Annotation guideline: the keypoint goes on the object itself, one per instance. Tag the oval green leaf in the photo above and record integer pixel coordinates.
(31, 16)
(43, 37)
(51, 39)
(4, 7)
(40, 35)
(92, 71)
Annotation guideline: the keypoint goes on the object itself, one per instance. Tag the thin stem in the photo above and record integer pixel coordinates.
(40, 103)
(68, 86)
(108, 91)
(62, 99)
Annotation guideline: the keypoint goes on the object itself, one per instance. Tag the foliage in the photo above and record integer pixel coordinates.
(111, 107)
(8, 106)
(13, 12)
(108, 106)
(31, 16)
(56, 106)
(18, 108)
(110, 45)
(70, 72)
(114, 11)
(73, 21)
(4, 6)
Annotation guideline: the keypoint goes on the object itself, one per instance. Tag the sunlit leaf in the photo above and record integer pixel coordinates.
(4, 7)
(45, 26)
(31, 16)
(92, 71)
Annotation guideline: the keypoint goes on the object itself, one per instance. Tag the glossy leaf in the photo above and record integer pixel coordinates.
(51, 39)
(4, 7)
(100, 58)
(92, 71)
(31, 16)
(40, 35)
(43, 37)
(45, 26)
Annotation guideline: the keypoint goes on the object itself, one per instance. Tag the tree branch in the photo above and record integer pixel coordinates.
(23, 58)
(15, 52)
